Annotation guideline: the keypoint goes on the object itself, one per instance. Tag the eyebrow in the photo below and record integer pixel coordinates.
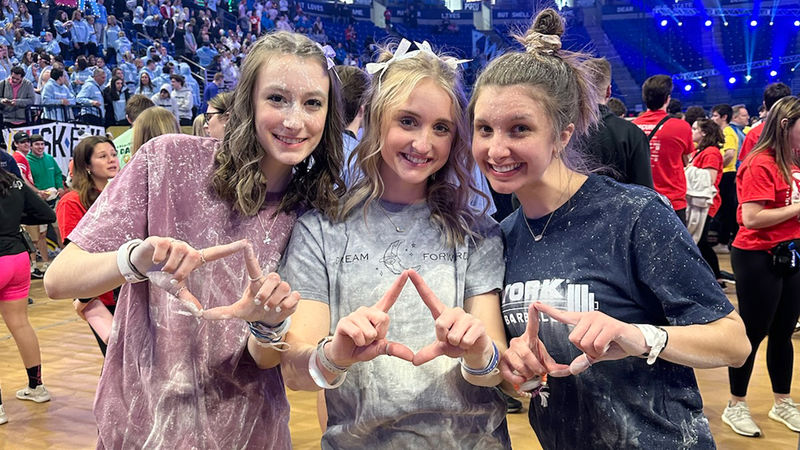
(275, 87)
(412, 113)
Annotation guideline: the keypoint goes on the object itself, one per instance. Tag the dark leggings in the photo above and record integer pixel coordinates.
(769, 305)
(707, 241)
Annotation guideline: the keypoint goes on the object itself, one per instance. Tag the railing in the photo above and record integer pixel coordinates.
(34, 114)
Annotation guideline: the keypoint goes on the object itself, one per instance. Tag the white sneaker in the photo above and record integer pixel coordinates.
(3, 416)
(738, 418)
(786, 413)
(38, 395)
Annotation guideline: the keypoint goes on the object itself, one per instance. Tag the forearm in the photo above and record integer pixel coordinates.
(727, 157)
(765, 218)
(716, 344)
(76, 273)
(294, 366)
(265, 356)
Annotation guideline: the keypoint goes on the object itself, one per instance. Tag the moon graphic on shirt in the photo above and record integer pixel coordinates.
(391, 259)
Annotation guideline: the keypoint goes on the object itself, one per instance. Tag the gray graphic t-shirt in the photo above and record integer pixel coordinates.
(387, 402)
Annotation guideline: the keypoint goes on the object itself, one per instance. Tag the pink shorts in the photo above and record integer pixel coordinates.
(15, 278)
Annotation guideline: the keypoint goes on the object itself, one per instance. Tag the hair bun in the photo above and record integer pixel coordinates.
(544, 36)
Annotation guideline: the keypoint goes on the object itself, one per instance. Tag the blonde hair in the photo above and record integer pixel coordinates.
(775, 136)
(560, 80)
(153, 122)
(450, 189)
(238, 178)
(198, 126)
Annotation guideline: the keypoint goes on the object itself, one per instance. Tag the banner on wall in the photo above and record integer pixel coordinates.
(60, 138)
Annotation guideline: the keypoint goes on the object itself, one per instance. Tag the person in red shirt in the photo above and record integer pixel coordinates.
(95, 163)
(708, 136)
(671, 144)
(768, 187)
(772, 94)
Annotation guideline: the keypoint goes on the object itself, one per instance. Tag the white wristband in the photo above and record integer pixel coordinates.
(319, 378)
(655, 338)
(124, 264)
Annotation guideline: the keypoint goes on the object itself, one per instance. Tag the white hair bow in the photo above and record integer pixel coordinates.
(329, 54)
(402, 53)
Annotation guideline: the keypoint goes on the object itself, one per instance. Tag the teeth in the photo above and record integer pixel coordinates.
(289, 140)
(506, 168)
(414, 159)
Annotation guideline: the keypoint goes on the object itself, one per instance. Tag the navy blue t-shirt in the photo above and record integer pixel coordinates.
(619, 249)
(8, 163)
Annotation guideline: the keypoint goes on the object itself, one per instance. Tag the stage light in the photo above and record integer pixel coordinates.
(771, 23)
(708, 22)
(773, 73)
(754, 23)
(725, 23)
(732, 80)
(664, 23)
(703, 84)
(687, 88)
(747, 77)
(797, 23)
(680, 24)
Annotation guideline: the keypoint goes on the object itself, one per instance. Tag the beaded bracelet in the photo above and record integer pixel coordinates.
(489, 367)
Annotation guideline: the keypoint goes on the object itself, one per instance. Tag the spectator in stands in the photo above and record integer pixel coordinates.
(213, 88)
(50, 45)
(133, 108)
(670, 142)
(164, 99)
(772, 93)
(110, 37)
(693, 113)
(164, 76)
(216, 118)
(355, 84)
(80, 34)
(63, 28)
(91, 97)
(192, 84)
(183, 99)
(146, 86)
(20, 205)
(100, 63)
(25, 17)
(57, 96)
(80, 73)
(128, 66)
(16, 94)
(617, 107)
(151, 123)
(190, 42)
(6, 63)
(767, 272)
(618, 146)
(115, 97)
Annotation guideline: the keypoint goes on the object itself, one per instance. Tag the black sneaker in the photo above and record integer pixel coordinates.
(727, 276)
(30, 300)
(37, 274)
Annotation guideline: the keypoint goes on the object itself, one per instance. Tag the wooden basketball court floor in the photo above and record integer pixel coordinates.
(72, 363)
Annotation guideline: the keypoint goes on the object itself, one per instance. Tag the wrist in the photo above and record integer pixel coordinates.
(655, 338)
(479, 359)
(126, 268)
(486, 368)
(325, 361)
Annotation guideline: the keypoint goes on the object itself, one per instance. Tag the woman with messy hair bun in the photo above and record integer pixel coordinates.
(184, 368)
(623, 293)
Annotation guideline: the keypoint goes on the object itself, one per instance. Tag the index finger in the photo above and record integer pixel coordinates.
(251, 261)
(532, 329)
(388, 299)
(221, 251)
(430, 299)
(567, 317)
